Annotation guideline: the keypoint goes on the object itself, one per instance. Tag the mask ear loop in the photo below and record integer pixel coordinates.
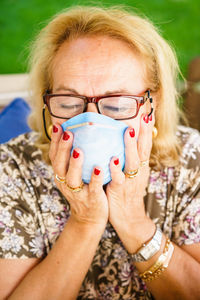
(151, 102)
(44, 122)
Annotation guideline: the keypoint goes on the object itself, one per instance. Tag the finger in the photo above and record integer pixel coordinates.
(96, 182)
(74, 173)
(145, 137)
(117, 175)
(55, 138)
(61, 161)
(132, 160)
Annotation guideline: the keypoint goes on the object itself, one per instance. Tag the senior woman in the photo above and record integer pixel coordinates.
(136, 237)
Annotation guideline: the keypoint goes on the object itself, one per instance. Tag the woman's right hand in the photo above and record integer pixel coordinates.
(89, 205)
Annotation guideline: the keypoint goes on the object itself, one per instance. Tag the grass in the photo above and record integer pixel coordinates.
(178, 21)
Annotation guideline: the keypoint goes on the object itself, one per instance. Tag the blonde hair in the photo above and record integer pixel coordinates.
(161, 65)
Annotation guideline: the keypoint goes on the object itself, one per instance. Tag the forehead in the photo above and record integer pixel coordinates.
(97, 61)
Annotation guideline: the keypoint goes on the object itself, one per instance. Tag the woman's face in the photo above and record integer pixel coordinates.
(97, 66)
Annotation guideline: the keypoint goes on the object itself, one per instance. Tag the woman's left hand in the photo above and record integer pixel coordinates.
(125, 195)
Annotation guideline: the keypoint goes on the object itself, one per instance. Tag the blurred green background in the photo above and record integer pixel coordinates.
(20, 20)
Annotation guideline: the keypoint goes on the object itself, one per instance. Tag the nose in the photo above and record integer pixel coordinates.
(91, 107)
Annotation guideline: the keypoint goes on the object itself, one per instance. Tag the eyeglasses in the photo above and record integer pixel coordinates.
(118, 107)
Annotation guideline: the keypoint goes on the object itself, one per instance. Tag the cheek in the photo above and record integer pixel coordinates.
(57, 120)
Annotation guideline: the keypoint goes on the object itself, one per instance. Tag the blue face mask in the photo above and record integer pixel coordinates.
(100, 138)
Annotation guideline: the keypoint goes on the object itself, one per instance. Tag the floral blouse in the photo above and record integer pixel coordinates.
(33, 213)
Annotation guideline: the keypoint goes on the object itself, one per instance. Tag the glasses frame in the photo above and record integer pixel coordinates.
(140, 100)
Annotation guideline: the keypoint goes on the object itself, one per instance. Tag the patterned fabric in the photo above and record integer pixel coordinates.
(33, 213)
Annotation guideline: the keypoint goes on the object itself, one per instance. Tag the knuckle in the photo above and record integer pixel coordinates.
(145, 154)
(116, 174)
(75, 165)
(94, 192)
(119, 180)
(91, 189)
(94, 182)
(55, 137)
(94, 185)
(132, 164)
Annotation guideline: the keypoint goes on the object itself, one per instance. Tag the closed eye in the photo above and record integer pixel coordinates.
(70, 106)
(114, 108)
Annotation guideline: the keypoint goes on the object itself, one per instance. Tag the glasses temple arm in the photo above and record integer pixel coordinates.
(44, 122)
(151, 102)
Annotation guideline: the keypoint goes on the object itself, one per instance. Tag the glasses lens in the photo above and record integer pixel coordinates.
(118, 107)
(66, 106)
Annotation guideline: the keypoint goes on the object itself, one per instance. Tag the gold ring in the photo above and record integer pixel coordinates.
(144, 163)
(75, 189)
(131, 174)
(60, 179)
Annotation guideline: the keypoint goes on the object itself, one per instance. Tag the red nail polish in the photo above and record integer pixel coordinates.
(146, 119)
(116, 161)
(150, 118)
(55, 129)
(132, 132)
(75, 154)
(96, 171)
(66, 136)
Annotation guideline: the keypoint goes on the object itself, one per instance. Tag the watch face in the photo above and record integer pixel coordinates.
(153, 246)
(148, 251)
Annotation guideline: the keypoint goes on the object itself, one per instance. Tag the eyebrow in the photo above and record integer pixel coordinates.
(107, 93)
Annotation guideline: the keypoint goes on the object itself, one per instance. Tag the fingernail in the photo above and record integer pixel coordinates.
(96, 171)
(146, 119)
(75, 154)
(132, 132)
(150, 118)
(66, 136)
(116, 161)
(55, 129)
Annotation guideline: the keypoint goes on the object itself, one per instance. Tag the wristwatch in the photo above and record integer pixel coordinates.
(149, 249)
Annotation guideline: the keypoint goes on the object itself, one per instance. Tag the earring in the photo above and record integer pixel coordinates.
(154, 132)
(49, 130)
